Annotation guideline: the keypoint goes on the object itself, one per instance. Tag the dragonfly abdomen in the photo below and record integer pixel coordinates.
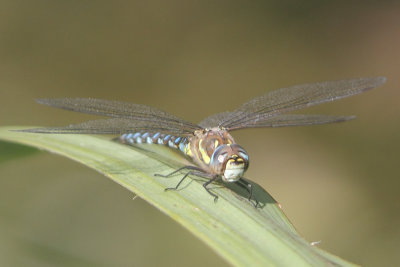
(156, 138)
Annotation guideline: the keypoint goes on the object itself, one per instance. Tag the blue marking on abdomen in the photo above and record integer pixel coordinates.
(166, 138)
(157, 138)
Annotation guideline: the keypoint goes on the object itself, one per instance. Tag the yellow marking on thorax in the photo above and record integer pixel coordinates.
(216, 144)
(204, 155)
(188, 150)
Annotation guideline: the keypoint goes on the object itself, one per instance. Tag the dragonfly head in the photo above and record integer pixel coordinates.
(230, 161)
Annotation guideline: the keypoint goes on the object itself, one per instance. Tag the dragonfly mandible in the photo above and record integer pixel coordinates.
(209, 144)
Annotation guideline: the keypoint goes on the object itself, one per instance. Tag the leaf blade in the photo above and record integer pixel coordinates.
(236, 230)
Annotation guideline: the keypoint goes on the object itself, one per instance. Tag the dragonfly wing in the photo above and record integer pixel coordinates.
(116, 126)
(215, 119)
(285, 120)
(294, 98)
(117, 109)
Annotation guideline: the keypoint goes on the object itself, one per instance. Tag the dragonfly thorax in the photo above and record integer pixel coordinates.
(215, 150)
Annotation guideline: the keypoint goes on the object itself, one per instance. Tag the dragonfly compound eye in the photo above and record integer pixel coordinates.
(230, 161)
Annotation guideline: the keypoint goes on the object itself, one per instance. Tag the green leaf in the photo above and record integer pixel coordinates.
(233, 227)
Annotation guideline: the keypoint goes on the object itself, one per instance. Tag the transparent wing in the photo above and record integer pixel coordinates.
(285, 120)
(256, 112)
(215, 119)
(115, 126)
(115, 109)
(126, 117)
(281, 120)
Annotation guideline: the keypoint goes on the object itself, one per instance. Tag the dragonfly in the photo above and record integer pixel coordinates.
(212, 150)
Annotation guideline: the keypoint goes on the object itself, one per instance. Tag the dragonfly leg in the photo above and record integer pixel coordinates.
(193, 171)
(177, 186)
(208, 190)
(188, 167)
(249, 187)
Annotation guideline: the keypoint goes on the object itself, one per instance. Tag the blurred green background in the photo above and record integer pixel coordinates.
(337, 183)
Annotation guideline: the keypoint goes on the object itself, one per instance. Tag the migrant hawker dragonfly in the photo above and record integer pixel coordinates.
(209, 144)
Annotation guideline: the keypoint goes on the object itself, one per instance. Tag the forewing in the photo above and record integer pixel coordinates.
(117, 109)
(262, 108)
(127, 117)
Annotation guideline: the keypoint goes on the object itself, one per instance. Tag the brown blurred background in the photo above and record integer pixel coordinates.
(337, 183)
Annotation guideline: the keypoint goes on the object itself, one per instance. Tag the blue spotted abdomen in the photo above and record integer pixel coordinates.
(177, 142)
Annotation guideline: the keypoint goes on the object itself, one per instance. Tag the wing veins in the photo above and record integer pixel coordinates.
(114, 126)
(285, 120)
(115, 109)
(296, 97)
